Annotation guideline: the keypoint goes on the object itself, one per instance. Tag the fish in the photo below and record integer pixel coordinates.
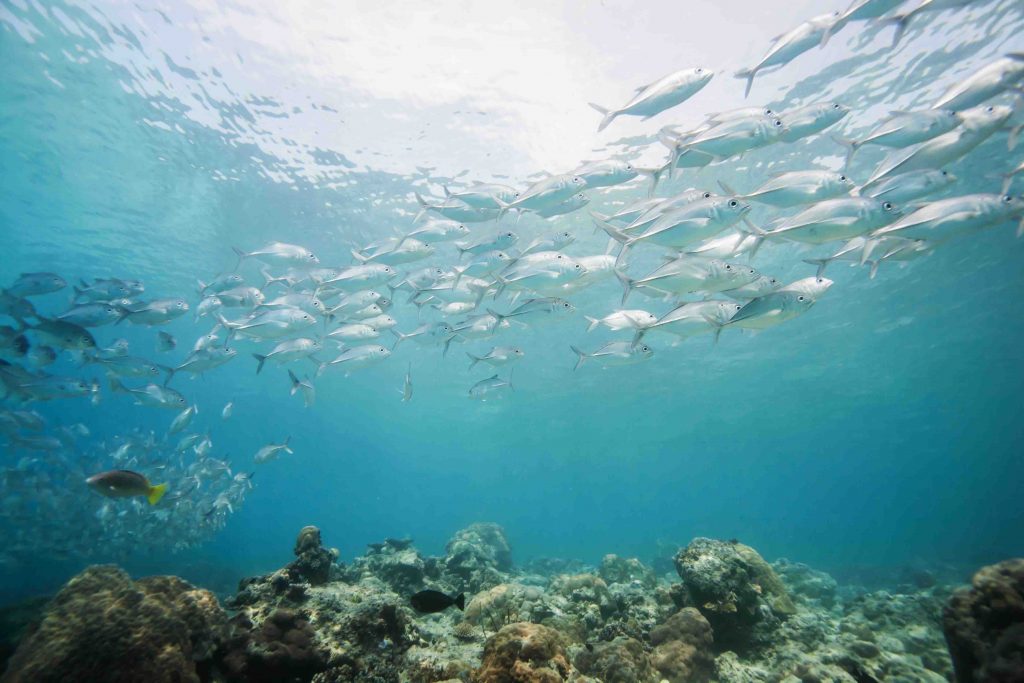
(497, 356)
(978, 125)
(165, 342)
(360, 277)
(788, 46)
(431, 601)
(228, 410)
(35, 284)
(691, 319)
(992, 79)
(861, 10)
(279, 254)
(129, 366)
(236, 297)
(906, 187)
(483, 195)
(16, 307)
(407, 385)
(354, 332)
(271, 451)
(685, 274)
(686, 225)
(730, 139)
(492, 387)
(455, 210)
(892, 247)
(555, 242)
(202, 361)
(41, 356)
(811, 119)
(92, 314)
(795, 188)
(902, 129)
(48, 388)
(108, 289)
(573, 203)
(306, 302)
(606, 173)
(272, 324)
(358, 356)
(654, 98)
(426, 334)
(779, 306)
(156, 312)
(544, 194)
(304, 385)
(902, 21)
(219, 284)
(126, 484)
(634, 319)
(404, 250)
(151, 395)
(183, 420)
(63, 334)
(945, 219)
(835, 219)
(614, 353)
(289, 350)
(440, 230)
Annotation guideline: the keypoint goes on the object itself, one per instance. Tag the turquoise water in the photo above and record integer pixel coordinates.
(881, 428)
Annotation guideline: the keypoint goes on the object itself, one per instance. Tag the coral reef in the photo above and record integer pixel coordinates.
(730, 618)
(984, 625)
(102, 626)
(735, 589)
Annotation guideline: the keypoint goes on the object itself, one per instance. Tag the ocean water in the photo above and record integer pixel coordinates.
(144, 140)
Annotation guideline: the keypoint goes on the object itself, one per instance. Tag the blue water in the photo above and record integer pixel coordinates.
(881, 428)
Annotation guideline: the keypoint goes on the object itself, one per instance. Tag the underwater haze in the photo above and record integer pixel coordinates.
(145, 141)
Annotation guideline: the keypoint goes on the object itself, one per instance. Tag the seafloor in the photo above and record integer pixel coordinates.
(724, 614)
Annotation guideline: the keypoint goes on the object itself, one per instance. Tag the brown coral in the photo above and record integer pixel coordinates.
(524, 653)
(103, 627)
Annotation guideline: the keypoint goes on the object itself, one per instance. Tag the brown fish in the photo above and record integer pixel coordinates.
(430, 601)
(126, 484)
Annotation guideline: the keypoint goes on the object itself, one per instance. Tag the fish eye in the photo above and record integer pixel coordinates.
(1007, 199)
(578, 266)
(645, 348)
(707, 195)
(887, 206)
(517, 194)
(728, 266)
(835, 106)
(700, 70)
(778, 123)
(629, 167)
(733, 203)
(842, 178)
(990, 109)
(945, 173)
(768, 111)
(800, 298)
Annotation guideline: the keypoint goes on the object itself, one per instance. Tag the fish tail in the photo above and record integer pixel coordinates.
(874, 269)
(295, 382)
(510, 379)
(901, 21)
(748, 74)
(851, 148)
(359, 257)
(627, 285)
(594, 322)
(609, 116)
(581, 356)
(424, 207)
(869, 246)
(1020, 228)
(170, 374)
(200, 286)
(447, 192)
(241, 256)
(473, 360)
(504, 207)
(262, 360)
(115, 384)
(821, 263)
(638, 337)
(156, 493)
(1014, 136)
(287, 449)
(460, 601)
(612, 231)
(320, 367)
(717, 324)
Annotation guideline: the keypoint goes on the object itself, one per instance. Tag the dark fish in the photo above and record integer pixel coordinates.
(126, 484)
(398, 543)
(430, 601)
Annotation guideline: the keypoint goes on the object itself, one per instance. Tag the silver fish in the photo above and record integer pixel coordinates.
(656, 97)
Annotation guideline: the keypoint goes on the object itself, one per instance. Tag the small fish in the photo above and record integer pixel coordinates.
(238, 297)
(788, 46)
(271, 451)
(199, 362)
(606, 173)
(63, 334)
(41, 356)
(907, 187)
(494, 242)
(615, 353)
(497, 356)
(305, 386)
(354, 332)
(126, 484)
(635, 319)
(358, 356)
(92, 314)
(165, 342)
(491, 387)
(219, 284)
(183, 420)
(431, 601)
(779, 306)
(34, 284)
(16, 307)
(151, 395)
(407, 385)
(156, 312)
(228, 409)
(289, 350)
(656, 97)
(279, 254)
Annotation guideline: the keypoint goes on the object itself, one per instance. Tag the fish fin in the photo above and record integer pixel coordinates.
(400, 338)
(170, 374)
(594, 322)
(200, 286)
(1014, 137)
(869, 246)
(156, 493)
(851, 146)
(359, 257)
(115, 384)
(460, 601)
(1007, 181)
(612, 231)
(820, 263)
(1020, 228)
(748, 74)
(474, 359)
(424, 207)
(655, 175)
(241, 256)
(295, 381)
(582, 356)
(510, 379)
(718, 325)
(627, 285)
(874, 269)
(609, 115)
(262, 360)
(447, 192)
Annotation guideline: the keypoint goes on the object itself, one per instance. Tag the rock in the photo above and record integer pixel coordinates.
(524, 653)
(585, 588)
(806, 584)
(102, 626)
(476, 556)
(623, 660)
(615, 569)
(312, 561)
(399, 565)
(682, 652)
(15, 621)
(735, 589)
(984, 625)
(282, 648)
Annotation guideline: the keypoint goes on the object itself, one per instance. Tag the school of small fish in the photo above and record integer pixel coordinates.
(461, 275)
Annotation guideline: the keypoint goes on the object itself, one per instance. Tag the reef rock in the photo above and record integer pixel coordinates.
(984, 625)
(312, 561)
(476, 556)
(682, 648)
(735, 589)
(396, 563)
(615, 569)
(525, 653)
(282, 648)
(102, 626)
(806, 584)
(623, 660)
